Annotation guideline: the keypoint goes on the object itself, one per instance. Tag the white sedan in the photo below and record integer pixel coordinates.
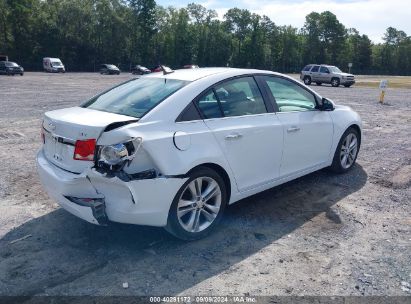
(173, 149)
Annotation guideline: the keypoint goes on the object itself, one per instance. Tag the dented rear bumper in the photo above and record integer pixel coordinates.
(138, 201)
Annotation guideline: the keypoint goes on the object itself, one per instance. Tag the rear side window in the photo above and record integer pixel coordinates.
(135, 98)
(315, 68)
(240, 96)
(209, 106)
(307, 68)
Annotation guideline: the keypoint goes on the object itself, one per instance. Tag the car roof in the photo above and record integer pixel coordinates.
(195, 74)
(326, 65)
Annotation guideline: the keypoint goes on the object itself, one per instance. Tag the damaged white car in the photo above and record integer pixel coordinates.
(173, 149)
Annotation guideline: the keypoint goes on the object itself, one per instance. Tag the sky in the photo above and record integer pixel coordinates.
(370, 17)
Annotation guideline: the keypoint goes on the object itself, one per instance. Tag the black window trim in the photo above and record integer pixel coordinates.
(269, 105)
(272, 98)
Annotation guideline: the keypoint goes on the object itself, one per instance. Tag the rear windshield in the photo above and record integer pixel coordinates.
(136, 97)
(307, 68)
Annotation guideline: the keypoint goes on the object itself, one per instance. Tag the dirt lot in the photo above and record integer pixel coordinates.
(319, 235)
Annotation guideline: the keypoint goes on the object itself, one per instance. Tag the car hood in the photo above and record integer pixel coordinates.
(346, 74)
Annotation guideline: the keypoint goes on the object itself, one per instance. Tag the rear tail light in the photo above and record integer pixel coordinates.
(84, 149)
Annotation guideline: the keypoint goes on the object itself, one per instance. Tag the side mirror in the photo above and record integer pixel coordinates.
(327, 105)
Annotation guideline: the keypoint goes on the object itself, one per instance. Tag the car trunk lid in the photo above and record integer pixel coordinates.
(62, 128)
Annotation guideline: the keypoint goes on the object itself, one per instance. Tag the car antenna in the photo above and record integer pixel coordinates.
(166, 70)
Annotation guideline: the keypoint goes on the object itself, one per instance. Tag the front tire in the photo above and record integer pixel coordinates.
(335, 82)
(198, 206)
(347, 151)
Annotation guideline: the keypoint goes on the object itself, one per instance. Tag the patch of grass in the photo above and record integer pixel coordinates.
(403, 82)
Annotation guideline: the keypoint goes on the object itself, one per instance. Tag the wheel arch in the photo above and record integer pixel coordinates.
(357, 128)
(221, 171)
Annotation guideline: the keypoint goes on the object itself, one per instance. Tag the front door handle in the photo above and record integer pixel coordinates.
(233, 136)
(293, 129)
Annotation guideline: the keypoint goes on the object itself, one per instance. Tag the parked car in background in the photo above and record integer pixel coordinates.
(53, 65)
(321, 73)
(140, 70)
(159, 68)
(191, 66)
(11, 68)
(174, 149)
(109, 69)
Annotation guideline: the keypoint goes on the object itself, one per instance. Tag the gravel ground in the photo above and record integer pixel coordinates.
(322, 234)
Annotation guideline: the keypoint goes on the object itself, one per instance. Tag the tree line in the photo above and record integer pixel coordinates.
(86, 33)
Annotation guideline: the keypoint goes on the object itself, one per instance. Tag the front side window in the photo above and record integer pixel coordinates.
(135, 98)
(289, 96)
(324, 70)
(315, 68)
(240, 96)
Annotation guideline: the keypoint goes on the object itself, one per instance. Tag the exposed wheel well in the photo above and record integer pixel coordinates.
(220, 170)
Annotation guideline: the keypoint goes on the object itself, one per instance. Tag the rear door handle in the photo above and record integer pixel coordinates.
(293, 129)
(233, 136)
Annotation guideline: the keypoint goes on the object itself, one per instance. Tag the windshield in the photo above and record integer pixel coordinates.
(11, 64)
(56, 63)
(334, 69)
(136, 97)
(110, 66)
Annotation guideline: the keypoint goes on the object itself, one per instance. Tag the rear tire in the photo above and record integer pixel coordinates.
(198, 206)
(335, 82)
(307, 80)
(347, 151)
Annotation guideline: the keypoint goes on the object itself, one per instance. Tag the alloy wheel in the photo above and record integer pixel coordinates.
(335, 82)
(199, 204)
(349, 150)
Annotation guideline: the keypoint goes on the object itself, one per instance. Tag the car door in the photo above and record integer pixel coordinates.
(308, 132)
(250, 137)
(324, 75)
(315, 73)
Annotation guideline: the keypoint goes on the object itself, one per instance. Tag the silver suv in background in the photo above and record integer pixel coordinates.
(326, 74)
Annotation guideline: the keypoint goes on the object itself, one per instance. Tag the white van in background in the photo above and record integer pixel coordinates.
(53, 65)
